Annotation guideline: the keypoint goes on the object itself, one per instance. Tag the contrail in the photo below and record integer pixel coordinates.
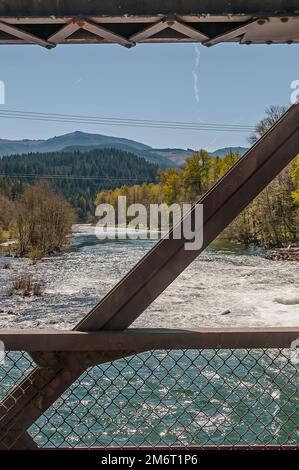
(195, 73)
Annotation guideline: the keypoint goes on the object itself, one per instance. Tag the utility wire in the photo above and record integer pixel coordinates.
(97, 120)
(95, 178)
(127, 122)
(74, 177)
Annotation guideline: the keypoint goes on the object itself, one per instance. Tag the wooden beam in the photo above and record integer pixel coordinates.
(147, 339)
(24, 36)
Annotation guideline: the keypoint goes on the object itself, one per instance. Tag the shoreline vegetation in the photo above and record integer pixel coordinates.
(39, 219)
(271, 221)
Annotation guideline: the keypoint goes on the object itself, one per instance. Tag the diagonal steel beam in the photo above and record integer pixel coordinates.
(156, 271)
(106, 34)
(188, 31)
(234, 33)
(24, 36)
(149, 31)
(169, 22)
(27, 443)
(41, 388)
(63, 33)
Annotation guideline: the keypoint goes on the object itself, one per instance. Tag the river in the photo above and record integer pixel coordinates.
(164, 398)
(256, 291)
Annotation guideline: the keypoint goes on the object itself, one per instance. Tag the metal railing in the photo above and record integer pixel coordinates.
(186, 388)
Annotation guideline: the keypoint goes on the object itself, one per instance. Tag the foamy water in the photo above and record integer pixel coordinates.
(256, 291)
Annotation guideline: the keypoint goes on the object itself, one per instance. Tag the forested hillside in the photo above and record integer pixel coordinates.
(75, 175)
(84, 141)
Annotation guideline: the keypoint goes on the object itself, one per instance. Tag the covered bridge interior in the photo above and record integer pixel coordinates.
(128, 23)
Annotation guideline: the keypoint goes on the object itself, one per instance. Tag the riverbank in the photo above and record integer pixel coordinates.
(291, 253)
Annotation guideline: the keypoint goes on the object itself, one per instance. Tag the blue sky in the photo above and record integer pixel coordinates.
(235, 84)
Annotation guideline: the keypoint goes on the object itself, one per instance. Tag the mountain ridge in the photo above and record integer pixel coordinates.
(85, 141)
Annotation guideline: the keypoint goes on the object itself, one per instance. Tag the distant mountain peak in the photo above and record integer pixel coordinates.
(224, 151)
(84, 141)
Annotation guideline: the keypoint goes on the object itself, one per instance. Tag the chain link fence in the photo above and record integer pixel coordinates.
(167, 398)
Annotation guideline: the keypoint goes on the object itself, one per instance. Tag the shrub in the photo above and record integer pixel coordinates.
(24, 285)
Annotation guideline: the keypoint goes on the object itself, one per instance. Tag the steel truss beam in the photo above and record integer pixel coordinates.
(129, 30)
(235, 32)
(35, 340)
(149, 278)
(27, 38)
(171, 23)
(63, 33)
(106, 34)
(103, 33)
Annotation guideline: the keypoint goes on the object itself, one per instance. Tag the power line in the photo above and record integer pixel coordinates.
(95, 178)
(74, 177)
(127, 122)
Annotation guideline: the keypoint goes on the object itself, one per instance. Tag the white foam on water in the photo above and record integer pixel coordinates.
(256, 291)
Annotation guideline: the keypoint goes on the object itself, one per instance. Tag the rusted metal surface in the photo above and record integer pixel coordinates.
(128, 22)
(27, 443)
(136, 339)
(146, 7)
(160, 267)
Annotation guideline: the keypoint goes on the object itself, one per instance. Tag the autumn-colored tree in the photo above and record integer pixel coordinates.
(270, 220)
(7, 218)
(44, 219)
(228, 161)
(171, 185)
(294, 171)
(197, 174)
